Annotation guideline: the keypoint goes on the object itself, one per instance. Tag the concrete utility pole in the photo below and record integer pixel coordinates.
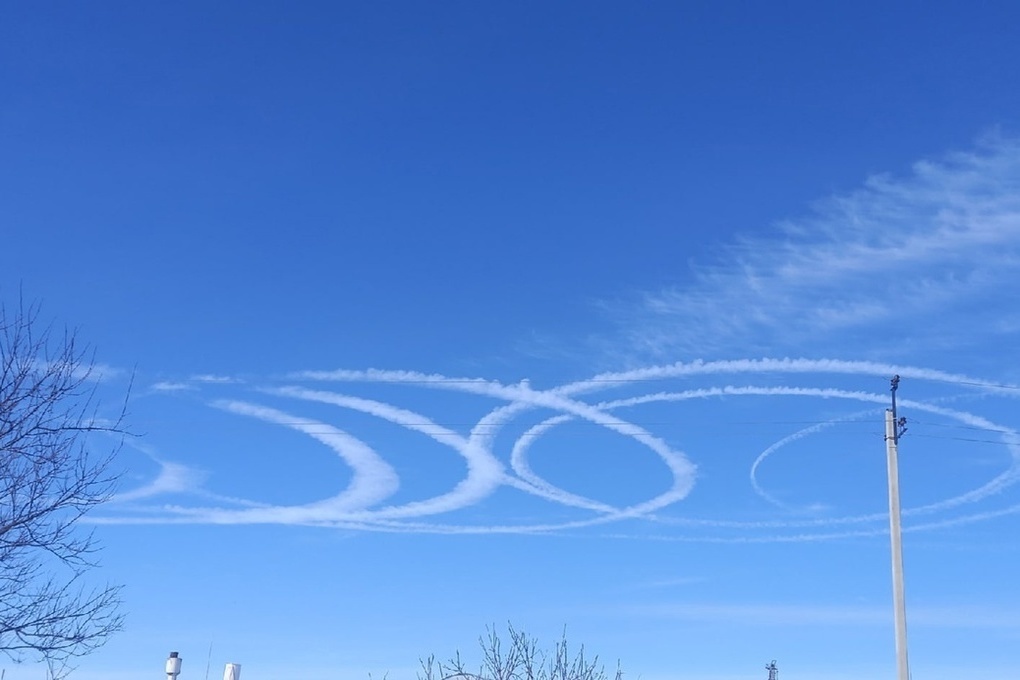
(893, 429)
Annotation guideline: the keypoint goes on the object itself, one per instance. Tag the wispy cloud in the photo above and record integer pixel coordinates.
(170, 386)
(99, 372)
(215, 379)
(771, 614)
(899, 249)
(667, 583)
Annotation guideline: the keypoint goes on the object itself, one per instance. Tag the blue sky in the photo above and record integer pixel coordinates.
(582, 315)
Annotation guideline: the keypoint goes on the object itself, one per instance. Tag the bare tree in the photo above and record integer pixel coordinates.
(519, 658)
(48, 481)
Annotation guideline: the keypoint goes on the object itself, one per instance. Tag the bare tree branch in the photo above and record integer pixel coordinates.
(520, 659)
(49, 480)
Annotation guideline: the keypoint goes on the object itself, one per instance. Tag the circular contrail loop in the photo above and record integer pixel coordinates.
(374, 480)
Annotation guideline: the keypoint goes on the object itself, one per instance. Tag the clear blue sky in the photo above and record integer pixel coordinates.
(363, 261)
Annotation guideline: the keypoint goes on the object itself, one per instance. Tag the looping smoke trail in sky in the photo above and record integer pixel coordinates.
(375, 480)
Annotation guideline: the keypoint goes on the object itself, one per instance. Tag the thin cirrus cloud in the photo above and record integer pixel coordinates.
(213, 379)
(766, 614)
(171, 386)
(944, 238)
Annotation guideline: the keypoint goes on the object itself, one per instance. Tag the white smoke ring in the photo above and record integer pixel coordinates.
(997, 484)
(552, 398)
(472, 449)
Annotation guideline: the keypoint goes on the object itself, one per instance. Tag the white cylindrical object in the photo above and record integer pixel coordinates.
(232, 672)
(173, 665)
(896, 539)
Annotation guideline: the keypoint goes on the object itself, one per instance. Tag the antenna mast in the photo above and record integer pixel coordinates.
(773, 670)
(894, 427)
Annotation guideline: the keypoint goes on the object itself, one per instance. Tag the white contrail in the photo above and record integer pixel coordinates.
(539, 486)
(799, 434)
(484, 474)
(373, 478)
(352, 509)
(966, 519)
(680, 369)
(785, 365)
(996, 485)
(1002, 481)
(1010, 438)
(523, 396)
(384, 376)
(172, 478)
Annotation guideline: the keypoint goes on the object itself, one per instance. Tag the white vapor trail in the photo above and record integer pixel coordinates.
(172, 478)
(374, 480)
(534, 484)
(485, 472)
(522, 397)
(787, 365)
(997, 484)
(799, 434)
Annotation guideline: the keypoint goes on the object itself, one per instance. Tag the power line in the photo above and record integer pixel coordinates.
(959, 439)
(977, 428)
